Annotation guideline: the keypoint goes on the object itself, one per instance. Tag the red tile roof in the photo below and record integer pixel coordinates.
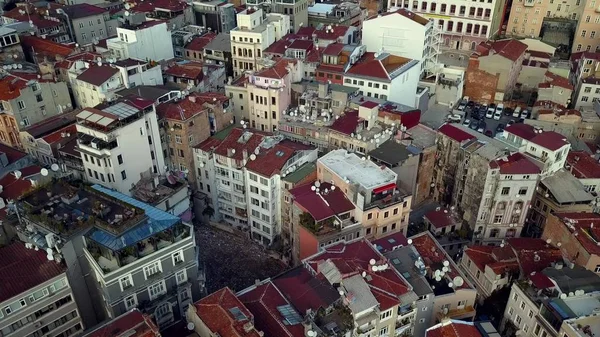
(385, 301)
(583, 165)
(278, 70)
(13, 188)
(181, 110)
(22, 269)
(409, 118)
(455, 133)
(199, 42)
(407, 14)
(558, 81)
(354, 258)
(209, 97)
(453, 329)
(304, 291)
(381, 68)
(130, 324)
(321, 206)
(434, 256)
(584, 228)
(57, 135)
(189, 70)
(499, 259)
(215, 311)
(549, 139)
(97, 75)
(539, 54)
(83, 10)
(263, 302)
(515, 163)
(388, 243)
(69, 60)
(334, 49)
(270, 161)
(306, 31)
(10, 87)
(441, 218)
(541, 281)
(534, 254)
(347, 123)
(12, 154)
(239, 140)
(151, 6)
(509, 48)
(369, 104)
(335, 33)
(129, 62)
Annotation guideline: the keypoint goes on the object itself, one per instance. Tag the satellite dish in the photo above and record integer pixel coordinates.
(317, 183)
(127, 6)
(375, 268)
(190, 325)
(372, 262)
(253, 157)
(445, 269)
(44, 172)
(446, 263)
(563, 296)
(17, 174)
(450, 284)
(438, 278)
(437, 273)
(126, 13)
(409, 241)
(54, 167)
(458, 281)
(311, 333)
(364, 274)
(312, 188)
(341, 292)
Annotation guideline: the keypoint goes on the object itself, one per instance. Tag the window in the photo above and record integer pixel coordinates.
(123, 175)
(120, 159)
(21, 105)
(522, 305)
(518, 319)
(84, 36)
(177, 257)
(152, 269)
(157, 289)
(383, 331)
(181, 277)
(597, 269)
(130, 302)
(178, 139)
(25, 121)
(530, 313)
(81, 25)
(126, 282)
(510, 311)
(505, 190)
(522, 190)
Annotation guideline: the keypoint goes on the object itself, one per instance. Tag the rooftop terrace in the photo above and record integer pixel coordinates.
(357, 170)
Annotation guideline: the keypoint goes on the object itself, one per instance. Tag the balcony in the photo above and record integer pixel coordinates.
(403, 326)
(459, 313)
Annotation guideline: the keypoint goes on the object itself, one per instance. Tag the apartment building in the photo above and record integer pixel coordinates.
(42, 24)
(304, 174)
(119, 142)
(87, 23)
(136, 41)
(94, 83)
(344, 13)
(136, 72)
(586, 35)
(575, 235)
(121, 252)
(584, 77)
(218, 15)
(530, 18)
(133, 323)
(462, 329)
(385, 76)
(297, 10)
(39, 302)
(26, 100)
(188, 122)
(218, 51)
(555, 88)
(532, 306)
(381, 207)
(454, 295)
(175, 13)
(42, 140)
(406, 34)
(11, 46)
(494, 69)
(463, 25)
(491, 268)
(255, 32)
(241, 171)
(585, 168)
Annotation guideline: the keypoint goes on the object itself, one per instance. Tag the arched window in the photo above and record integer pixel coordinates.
(501, 206)
(473, 44)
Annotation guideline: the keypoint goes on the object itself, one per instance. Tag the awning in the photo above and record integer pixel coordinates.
(384, 188)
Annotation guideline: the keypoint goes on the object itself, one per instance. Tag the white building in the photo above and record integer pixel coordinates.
(119, 142)
(93, 84)
(253, 34)
(463, 24)
(137, 72)
(588, 92)
(241, 174)
(403, 33)
(387, 77)
(141, 42)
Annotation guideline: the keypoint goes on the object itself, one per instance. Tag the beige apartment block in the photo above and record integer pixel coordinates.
(527, 16)
(587, 36)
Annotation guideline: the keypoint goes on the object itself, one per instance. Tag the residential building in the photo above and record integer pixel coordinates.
(532, 19)
(381, 207)
(326, 35)
(406, 34)
(555, 88)
(400, 158)
(93, 84)
(458, 328)
(43, 140)
(558, 193)
(11, 46)
(218, 51)
(38, 302)
(494, 69)
(575, 235)
(60, 68)
(385, 76)
(87, 23)
(41, 51)
(588, 93)
(463, 26)
(585, 37)
(156, 268)
(193, 46)
(423, 139)
(37, 21)
(454, 295)
(533, 303)
(156, 93)
(169, 193)
(137, 42)
(133, 323)
(26, 99)
(188, 122)
(491, 268)
(186, 75)
(70, 161)
(441, 221)
(335, 58)
(175, 13)
(343, 13)
(119, 142)
(218, 15)
(585, 168)
(253, 34)
(12, 159)
(297, 10)
(138, 72)
(243, 189)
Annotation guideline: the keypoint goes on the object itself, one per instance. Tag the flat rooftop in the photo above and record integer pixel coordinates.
(357, 170)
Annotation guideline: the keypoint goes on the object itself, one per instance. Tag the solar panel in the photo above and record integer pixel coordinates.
(290, 316)
(121, 109)
(391, 240)
(238, 314)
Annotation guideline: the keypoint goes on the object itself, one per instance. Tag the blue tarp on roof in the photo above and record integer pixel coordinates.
(157, 221)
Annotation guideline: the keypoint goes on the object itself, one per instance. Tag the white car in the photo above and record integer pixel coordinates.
(524, 114)
(497, 115)
(467, 122)
(489, 113)
(454, 118)
(500, 108)
(517, 112)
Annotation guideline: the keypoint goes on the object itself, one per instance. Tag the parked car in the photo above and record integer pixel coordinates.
(510, 122)
(508, 112)
(497, 115)
(474, 125)
(475, 115)
(481, 127)
(500, 128)
(489, 113)
(489, 133)
(524, 114)
(500, 108)
(517, 112)
(466, 122)
(462, 105)
(454, 118)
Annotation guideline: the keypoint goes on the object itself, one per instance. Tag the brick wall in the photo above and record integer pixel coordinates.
(425, 176)
(480, 85)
